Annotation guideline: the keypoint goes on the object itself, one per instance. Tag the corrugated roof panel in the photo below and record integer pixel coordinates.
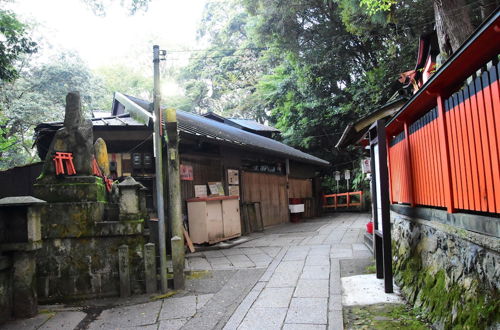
(197, 125)
(253, 125)
(192, 123)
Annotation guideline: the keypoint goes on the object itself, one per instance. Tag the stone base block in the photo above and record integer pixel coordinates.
(71, 189)
(62, 220)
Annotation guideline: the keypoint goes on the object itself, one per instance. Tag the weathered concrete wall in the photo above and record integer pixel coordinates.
(451, 274)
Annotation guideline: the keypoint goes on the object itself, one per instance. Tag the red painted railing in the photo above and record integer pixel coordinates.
(335, 200)
(450, 156)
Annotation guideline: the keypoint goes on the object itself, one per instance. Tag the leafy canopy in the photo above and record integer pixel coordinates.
(14, 42)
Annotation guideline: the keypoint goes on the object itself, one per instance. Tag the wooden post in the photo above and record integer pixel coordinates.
(445, 156)
(174, 198)
(380, 181)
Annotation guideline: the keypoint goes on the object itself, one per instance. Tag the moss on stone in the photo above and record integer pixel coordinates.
(196, 275)
(383, 316)
(164, 296)
(372, 269)
(445, 303)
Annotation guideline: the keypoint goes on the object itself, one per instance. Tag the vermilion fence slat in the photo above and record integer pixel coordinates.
(479, 150)
(495, 96)
(485, 147)
(437, 162)
(493, 131)
(437, 174)
(468, 191)
(461, 155)
(455, 166)
(489, 138)
(471, 136)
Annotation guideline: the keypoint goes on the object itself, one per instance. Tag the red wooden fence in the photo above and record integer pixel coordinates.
(334, 198)
(421, 156)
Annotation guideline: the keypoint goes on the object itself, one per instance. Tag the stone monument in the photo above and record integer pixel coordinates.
(81, 227)
(75, 137)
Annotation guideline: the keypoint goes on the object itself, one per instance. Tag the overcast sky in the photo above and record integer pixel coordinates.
(69, 24)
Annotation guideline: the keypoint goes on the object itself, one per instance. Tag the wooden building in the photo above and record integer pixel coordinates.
(268, 172)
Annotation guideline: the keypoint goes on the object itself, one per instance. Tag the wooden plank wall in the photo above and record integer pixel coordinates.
(18, 181)
(270, 191)
(300, 188)
(303, 188)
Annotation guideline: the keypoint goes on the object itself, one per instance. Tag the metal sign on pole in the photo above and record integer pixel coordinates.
(337, 178)
(347, 176)
(158, 168)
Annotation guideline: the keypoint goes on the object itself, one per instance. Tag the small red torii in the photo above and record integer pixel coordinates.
(97, 172)
(61, 159)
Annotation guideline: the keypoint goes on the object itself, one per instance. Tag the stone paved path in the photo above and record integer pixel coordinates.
(288, 278)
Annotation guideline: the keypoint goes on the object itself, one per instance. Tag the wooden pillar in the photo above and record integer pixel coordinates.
(174, 199)
(445, 156)
(410, 182)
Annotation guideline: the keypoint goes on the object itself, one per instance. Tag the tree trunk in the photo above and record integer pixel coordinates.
(453, 24)
(487, 8)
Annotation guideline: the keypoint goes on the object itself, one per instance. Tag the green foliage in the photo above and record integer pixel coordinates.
(39, 95)
(310, 68)
(123, 79)
(375, 6)
(223, 78)
(14, 42)
(99, 7)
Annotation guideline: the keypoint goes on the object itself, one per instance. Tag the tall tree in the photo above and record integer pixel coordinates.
(315, 65)
(455, 20)
(14, 42)
(223, 77)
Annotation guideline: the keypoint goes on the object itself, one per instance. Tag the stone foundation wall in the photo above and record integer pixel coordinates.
(451, 274)
(74, 268)
(79, 255)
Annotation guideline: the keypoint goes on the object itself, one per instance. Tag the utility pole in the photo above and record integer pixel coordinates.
(158, 168)
(174, 198)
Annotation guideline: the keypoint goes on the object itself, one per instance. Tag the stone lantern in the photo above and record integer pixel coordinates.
(20, 237)
(130, 199)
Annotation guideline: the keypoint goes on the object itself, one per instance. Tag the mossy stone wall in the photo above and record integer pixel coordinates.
(87, 267)
(79, 256)
(450, 277)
